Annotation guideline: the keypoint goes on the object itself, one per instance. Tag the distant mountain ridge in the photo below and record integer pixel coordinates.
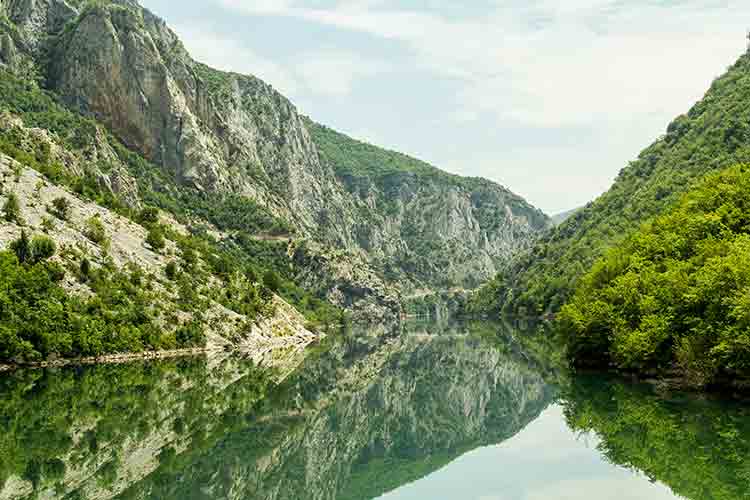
(558, 219)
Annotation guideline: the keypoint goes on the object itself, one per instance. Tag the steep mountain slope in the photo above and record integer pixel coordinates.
(229, 136)
(714, 134)
(672, 299)
(558, 219)
(418, 222)
(83, 281)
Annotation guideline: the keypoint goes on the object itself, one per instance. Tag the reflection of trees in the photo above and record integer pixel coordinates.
(698, 448)
(69, 429)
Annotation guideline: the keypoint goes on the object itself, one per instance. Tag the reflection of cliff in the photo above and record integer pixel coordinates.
(363, 418)
(699, 449)
(359, 417)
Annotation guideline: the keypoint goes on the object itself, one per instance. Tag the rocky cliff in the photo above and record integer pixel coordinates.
(224, 134)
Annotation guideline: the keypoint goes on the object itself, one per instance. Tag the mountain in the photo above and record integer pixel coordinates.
(364, 224)
(713, 135)
(558, 219)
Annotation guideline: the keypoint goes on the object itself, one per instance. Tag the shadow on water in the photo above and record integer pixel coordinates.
(361, 414)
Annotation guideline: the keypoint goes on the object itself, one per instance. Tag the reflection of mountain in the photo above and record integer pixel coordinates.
(358, 418)
(698, 448)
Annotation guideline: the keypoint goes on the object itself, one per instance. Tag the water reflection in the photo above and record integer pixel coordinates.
(361, 415)
(699, 447)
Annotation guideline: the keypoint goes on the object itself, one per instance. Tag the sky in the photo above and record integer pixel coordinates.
(545, 461)
(549, 98)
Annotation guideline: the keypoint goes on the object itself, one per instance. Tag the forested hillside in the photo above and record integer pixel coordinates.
(675, 296)
(714, 134)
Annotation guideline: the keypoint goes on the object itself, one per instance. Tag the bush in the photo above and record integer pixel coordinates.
(85, 269)
(60, 208)
(272, 281)
(12, 209)
(155, 238)
(22, 248)
(148, 216)
(171, 270)
(95, 230)
(42, 248)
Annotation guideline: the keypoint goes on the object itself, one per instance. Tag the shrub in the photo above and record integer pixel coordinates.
(85, 269)
(42, 248)
(171, 270)
(95, 230)
(12, 209)
(22, 248)
(148, 216)
(48, 224)
(272, 281)
(60, 208)
(155, 238)
(55, 271)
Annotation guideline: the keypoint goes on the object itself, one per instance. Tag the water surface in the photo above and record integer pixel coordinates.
(474, 410)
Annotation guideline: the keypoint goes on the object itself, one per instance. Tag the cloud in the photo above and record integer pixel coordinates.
(549, 63)
(328, 71)
(333, 72)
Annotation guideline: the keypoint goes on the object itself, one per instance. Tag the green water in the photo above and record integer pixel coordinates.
(476, 411)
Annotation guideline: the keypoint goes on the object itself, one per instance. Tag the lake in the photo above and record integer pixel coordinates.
(429, 410)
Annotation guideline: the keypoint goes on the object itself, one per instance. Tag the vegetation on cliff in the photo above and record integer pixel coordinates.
(42, 318)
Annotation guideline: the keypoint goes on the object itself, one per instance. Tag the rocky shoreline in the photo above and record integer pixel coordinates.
(111, 358)
(261, 348)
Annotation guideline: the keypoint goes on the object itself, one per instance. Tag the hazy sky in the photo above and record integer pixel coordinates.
(549, 98)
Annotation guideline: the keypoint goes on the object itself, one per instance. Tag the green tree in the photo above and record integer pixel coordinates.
(22, 248)
(95, 230)
(148, 216)
(61, 208)
(85, 269)
(272, 281)
(676, 294)
(171, 270)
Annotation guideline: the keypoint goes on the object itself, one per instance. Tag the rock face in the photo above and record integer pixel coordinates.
(362, 417)
(422, 225)
(233, 134)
